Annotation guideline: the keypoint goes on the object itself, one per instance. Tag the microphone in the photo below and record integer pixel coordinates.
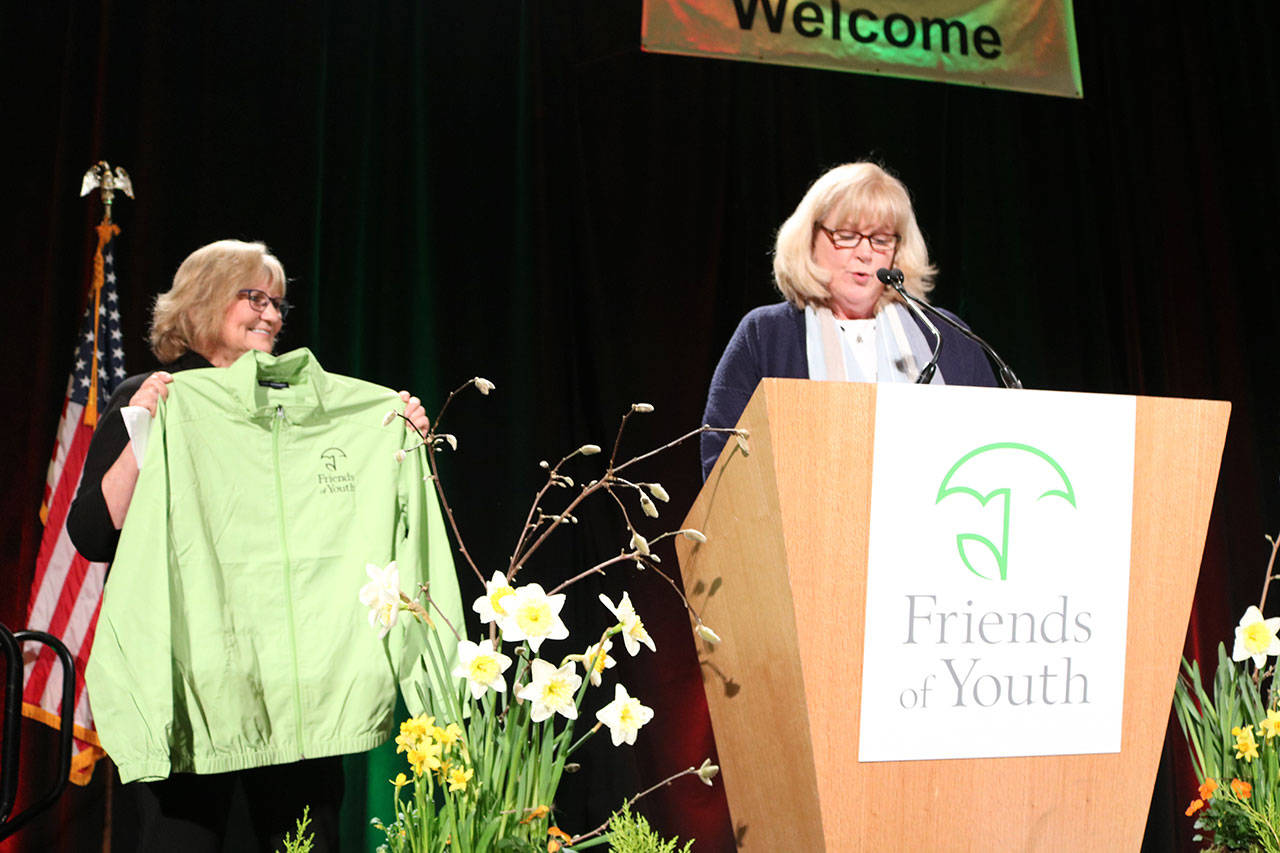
(894, 278)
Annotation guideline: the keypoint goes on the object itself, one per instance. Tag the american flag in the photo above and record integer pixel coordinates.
(67, 591)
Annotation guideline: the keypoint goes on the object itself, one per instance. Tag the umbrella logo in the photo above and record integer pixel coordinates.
(981, 474)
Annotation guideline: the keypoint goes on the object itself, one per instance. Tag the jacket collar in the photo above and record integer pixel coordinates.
(295, 383)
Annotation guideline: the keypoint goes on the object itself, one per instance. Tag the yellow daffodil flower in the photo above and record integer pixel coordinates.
(1246, 746)
(1271, 725)
(458, 778)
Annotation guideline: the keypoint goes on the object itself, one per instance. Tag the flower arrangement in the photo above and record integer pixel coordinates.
(1234, 735)
(486, 758)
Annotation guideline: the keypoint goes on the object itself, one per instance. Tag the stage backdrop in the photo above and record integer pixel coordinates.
(517, 191)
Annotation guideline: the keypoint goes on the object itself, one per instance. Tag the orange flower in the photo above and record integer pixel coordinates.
(535, 813)
(1241, 789)
(1195, 806)
(1207, 789)
(557, 832)
(553, 846)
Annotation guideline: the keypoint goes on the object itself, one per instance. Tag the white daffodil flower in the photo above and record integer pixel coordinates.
(534, 616)
(382, 596)
(1256, 637)
(633, 631)
(596, 661)
(482, 666)
(491, 606)
(624, 716)
(551, 690)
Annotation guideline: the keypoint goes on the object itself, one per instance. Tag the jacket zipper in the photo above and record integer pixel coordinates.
(288, 572)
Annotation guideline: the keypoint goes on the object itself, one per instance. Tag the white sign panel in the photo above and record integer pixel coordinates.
(998, 573)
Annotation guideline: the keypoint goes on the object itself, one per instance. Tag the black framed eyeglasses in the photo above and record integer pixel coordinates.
(260, 300)
(843, 238)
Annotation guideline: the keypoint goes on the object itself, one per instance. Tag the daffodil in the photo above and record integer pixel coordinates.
(382, 596)
(1246, 746)
(448, 735)
(414, 731)
(596, 660)
(458, 778)
(1271, 725)
(551, 690)
(633, 631)
(624, 716)
(533, 616)
(424, 758)
(490, 605)
(481, 666)
(1256, 637)
(400, 781)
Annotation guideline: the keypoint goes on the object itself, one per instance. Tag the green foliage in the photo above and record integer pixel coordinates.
(302, 841)
(1235, 822)
(631, 833)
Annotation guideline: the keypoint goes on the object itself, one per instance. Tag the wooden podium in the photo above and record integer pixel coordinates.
(784, 685)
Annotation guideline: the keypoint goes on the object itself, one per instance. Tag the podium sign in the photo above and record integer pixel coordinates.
(997, 573)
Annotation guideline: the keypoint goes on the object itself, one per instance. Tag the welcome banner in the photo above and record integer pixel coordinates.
(1004, 44)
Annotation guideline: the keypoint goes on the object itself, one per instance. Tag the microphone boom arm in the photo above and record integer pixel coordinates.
(894, 279)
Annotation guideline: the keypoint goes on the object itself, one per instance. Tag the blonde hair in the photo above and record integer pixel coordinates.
(857, 194)
(189, 315)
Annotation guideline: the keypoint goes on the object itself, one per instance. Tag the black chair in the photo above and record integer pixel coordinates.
(11, 722)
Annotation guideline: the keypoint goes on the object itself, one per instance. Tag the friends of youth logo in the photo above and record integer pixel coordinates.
(335, 482)
(971, 476)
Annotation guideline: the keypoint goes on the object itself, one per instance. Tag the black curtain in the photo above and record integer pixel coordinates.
(516, 191)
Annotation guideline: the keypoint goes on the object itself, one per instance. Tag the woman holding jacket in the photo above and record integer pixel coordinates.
(227, 299)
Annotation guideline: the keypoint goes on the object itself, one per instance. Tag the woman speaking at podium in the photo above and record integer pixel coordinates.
(839, 322)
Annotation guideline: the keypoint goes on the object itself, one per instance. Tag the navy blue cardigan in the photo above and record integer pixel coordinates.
(770, 341)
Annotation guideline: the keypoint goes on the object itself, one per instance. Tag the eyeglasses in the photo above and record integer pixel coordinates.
(843, 239)
(260, 300)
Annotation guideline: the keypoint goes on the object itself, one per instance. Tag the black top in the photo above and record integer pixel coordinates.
(88, 521)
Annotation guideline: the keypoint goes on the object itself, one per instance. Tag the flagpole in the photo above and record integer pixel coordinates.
(101, 177)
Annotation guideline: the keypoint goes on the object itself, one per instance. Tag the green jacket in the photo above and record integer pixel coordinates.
(231, 633)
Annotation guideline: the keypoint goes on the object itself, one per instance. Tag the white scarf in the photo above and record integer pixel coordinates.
(900, 347)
